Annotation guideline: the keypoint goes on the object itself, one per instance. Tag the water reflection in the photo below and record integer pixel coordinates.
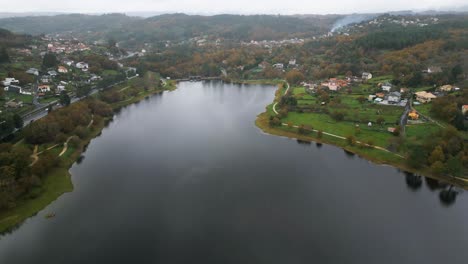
(304, 142)
(318, 145)
(448, 196)
(349, 154)
(414, 182)
(434, 184)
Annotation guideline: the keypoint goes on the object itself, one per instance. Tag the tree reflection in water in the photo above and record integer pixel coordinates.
(414, 182)
(448, 196)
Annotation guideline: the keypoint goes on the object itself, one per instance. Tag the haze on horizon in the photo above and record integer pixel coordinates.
(234, 7)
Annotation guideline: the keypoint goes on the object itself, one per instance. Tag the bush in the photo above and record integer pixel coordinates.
(319, 134)
(338, 116)
(351, 140)
(275, 122)
(81, 132)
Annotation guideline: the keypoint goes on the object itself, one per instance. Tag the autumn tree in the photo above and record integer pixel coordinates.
(294, 77)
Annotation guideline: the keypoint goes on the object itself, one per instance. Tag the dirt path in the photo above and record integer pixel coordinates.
(65, 146)
(34, 156)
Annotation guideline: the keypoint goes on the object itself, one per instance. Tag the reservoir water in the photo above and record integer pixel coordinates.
(187, 177)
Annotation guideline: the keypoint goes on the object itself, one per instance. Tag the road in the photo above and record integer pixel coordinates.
(404, 116)
(38, 114)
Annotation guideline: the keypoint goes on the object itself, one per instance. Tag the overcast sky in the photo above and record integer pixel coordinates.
(222, 6)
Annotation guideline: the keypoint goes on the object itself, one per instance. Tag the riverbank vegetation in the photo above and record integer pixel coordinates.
(435, 149)
(34, 169)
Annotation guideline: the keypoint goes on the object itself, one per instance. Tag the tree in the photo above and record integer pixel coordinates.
(64, 98)
(49, 60)
(18, 121)
(437, 167)
(4, 58)
(436, 155)
(294, 77)
(380, 120)
(319, 134)
(361, 99)
(351, 140)
(338, 116)
(454, 165)
(456, 71)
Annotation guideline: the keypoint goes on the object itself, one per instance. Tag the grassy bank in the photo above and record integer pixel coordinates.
(323, 123)
(58, 180)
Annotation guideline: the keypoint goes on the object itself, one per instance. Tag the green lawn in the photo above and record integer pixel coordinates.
(26, 99)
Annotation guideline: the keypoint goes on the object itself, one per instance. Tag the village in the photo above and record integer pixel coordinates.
(43, 71)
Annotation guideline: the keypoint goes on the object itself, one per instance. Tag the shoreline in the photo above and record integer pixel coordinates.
(58, 181)
(262, 122)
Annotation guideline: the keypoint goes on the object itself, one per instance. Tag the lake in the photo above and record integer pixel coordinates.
(187, 177)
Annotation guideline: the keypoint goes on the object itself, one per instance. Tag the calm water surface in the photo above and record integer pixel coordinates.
(186, 177)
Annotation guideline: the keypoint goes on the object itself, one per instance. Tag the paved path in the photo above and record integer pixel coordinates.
(285, 92)
(358, 142)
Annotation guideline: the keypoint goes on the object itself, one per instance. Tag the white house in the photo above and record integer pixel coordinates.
(52, 73)
(33, 71)
(366, 75)
(278, 66)
(43, 88)
(292, 62)
(82, 65)
(9, 81)
(394, 97)
(386, 87)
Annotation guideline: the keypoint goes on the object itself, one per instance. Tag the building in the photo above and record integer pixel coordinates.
(62, 69)
(413, 115)
(82, 65)
(278, 66)
(46, 79)
(292, 62)
(33, 71)
(10, 81)
(13, 89)
(464, 109)
(434, 69)
(52, 73)
(394, 97)
(43, 88)
(446, 88)
(425, 97)
(366, 75)
(386, 87)
(263, 65)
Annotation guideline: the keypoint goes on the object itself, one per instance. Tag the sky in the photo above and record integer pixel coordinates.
(232, 6)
